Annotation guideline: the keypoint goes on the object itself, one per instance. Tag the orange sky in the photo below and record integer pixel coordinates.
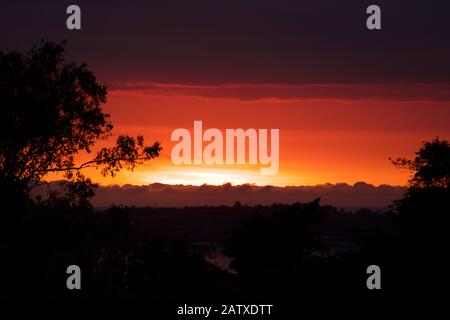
(329, 140)
(345, 98)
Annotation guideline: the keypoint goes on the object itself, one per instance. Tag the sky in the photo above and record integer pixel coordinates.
(344, 98)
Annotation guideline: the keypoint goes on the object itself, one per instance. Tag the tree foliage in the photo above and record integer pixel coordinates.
(51, 111)
(430, 167)
(423, 218)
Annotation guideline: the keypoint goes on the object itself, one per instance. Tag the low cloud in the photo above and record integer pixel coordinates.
(288, 92)
(341, 195)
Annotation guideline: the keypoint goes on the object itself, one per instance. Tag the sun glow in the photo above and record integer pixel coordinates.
(200, 176)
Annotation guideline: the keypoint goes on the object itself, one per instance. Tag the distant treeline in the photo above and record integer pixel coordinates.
(214, 223)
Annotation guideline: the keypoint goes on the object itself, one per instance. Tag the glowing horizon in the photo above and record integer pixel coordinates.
(321, 140)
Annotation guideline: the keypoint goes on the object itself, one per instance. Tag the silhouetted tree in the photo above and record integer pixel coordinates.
(424, 219)
(430, 167)
(50, 111)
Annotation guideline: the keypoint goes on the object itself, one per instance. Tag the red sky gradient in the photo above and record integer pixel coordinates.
(328, 133)
(345, 98)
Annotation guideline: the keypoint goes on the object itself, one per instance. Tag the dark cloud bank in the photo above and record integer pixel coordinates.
(235, 41)
(341, 195)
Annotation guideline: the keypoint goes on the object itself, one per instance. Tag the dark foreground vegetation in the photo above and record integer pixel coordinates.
(51, 111)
